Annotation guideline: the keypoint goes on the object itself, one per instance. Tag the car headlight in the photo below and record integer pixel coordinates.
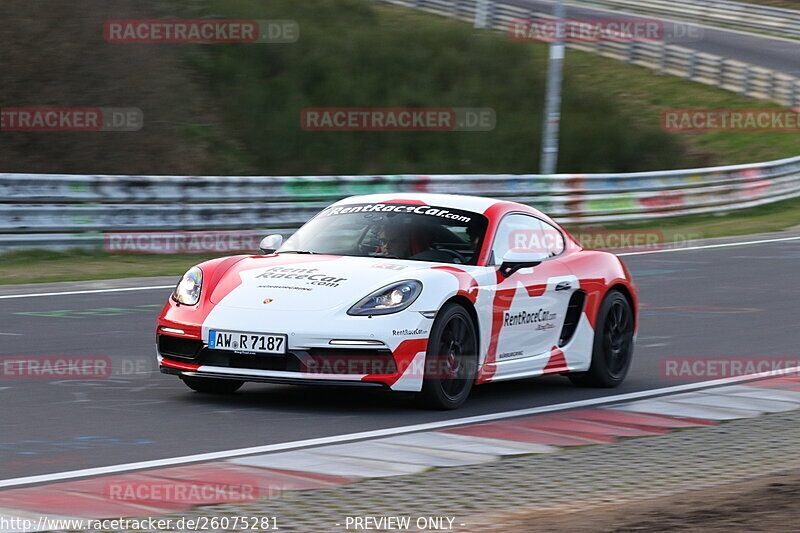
(390, 299)
(188, 290)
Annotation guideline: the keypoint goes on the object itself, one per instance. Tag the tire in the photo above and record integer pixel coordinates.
(451, 360)
(212, 385)
(612, 350)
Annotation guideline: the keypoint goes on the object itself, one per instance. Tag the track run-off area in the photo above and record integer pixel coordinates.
(730, 299)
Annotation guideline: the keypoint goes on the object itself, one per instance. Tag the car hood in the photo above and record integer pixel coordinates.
(291, 282)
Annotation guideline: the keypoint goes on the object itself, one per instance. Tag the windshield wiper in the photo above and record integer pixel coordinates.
(297, 252)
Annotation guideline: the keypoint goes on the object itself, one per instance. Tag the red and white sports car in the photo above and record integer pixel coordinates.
(423, 293)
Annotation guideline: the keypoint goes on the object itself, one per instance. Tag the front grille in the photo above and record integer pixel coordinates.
(228, 359)
(286, 362)
(179, 347)
(314, 361)
(349, 361)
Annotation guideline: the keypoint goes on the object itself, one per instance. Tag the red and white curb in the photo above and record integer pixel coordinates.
(179, 488)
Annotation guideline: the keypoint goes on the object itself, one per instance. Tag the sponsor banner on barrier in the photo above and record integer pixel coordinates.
(201, 31)
(389, 119)
(182, 242)
(703, 369)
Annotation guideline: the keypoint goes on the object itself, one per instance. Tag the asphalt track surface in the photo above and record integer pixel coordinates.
(770, 52)
(709, 303)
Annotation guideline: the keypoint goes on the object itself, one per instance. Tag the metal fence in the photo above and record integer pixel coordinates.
(51, 211)
(735, 15)
(744, 78)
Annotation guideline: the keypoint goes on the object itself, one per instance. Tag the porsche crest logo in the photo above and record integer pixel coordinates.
(267, 300)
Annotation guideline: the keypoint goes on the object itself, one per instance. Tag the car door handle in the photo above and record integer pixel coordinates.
(564, 286)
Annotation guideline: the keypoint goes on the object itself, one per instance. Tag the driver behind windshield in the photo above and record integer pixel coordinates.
(445, 235)
(408, 241)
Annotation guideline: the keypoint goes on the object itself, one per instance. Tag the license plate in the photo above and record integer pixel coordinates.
(247, 343)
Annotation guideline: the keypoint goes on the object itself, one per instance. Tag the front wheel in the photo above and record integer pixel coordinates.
(613, 344)
(212, 385)
(451, 360)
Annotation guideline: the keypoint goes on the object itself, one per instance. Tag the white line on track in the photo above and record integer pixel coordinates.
(710, 246)
(283, 446)
(92, 291)
(666, 250)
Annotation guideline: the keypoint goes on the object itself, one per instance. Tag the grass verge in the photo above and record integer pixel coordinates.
(763, 219)
(40, 266)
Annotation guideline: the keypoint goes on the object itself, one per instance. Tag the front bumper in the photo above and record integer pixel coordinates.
(401, 370)
(271, 378)
(310, 358)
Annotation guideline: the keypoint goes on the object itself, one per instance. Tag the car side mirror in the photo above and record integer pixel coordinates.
(270, 243)
(517, 258)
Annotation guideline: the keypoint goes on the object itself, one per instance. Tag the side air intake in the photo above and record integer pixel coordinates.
(574, 310)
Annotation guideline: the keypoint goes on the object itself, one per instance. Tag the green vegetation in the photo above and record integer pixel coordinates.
(353, 53)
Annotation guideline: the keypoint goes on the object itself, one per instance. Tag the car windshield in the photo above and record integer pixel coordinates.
(393, 230)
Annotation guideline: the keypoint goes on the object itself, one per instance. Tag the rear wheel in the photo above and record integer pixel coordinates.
(451, 359)
(613, 344)
(212, 385)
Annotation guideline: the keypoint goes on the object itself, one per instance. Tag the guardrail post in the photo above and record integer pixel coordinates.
(490, 12)
(480, 14)
(692, 65)
(748, 73)
(662, 65)
(793, 95)
(721, 72)
(631, 52)
(456, 9)
(771, 83)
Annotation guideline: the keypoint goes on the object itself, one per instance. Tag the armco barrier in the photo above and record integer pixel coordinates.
(734, 15)
(710, 69)
(63, 211)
